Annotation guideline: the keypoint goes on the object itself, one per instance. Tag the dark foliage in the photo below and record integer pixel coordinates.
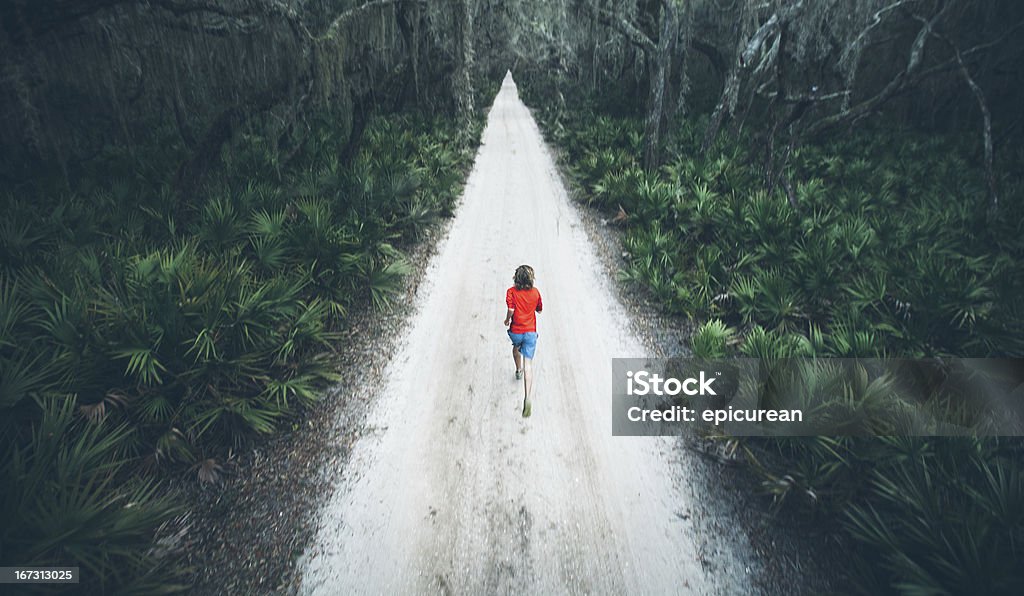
(140, 336)
(887, 248)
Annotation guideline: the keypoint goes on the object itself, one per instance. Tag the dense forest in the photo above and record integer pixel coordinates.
(197, 194)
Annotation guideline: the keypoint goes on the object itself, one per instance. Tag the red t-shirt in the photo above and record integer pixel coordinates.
(526, 304)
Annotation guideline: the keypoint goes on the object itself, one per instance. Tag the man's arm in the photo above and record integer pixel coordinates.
(508, 317)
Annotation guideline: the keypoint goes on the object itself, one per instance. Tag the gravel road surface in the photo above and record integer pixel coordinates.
(450, 490)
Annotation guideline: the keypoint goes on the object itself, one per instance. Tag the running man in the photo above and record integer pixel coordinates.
(523, 301)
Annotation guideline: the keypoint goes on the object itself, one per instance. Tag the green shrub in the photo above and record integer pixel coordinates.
(945, 517)
(141, 330)
(64, 502)
(711, 340)
(887, 250)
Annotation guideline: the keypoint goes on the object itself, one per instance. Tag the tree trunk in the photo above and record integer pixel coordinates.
(409, 26)
(659, 81)
(747, 51)
(462, 83)
(726, 105)
(772, 169)
(361, 107)
(986, 129)
(730, 92)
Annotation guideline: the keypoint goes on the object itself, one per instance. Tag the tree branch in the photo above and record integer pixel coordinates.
(342, 18)
(906, 77)
(986, 128)
(711, 52)
(768, 29)
(621, 24)
(40, 18)
(876, 20)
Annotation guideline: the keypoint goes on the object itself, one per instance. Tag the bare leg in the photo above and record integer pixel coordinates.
(518, 358)
(527, 377)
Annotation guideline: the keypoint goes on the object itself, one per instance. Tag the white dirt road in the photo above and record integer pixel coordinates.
(452, 491)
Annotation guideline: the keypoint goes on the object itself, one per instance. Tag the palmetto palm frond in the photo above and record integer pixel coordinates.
(23, 376)
(769, 219)
(270, 253)
(143, 364)
(941, 519)
(712, 339)
(770, 297)
(267, 224)
(63, 504)
(15, 313)
(301, 387)
(220, 225)
(385, 282)
(770, 345)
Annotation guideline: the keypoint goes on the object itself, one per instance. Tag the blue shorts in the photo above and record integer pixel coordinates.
(526, 342)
